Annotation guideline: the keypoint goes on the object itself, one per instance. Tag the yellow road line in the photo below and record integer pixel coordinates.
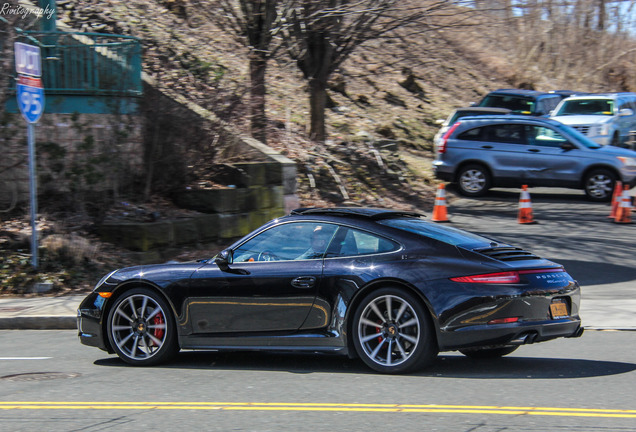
(324, 407)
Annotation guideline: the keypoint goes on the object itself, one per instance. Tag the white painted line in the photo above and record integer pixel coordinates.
(25, 358)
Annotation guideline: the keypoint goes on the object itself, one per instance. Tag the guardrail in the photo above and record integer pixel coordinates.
(75, 63)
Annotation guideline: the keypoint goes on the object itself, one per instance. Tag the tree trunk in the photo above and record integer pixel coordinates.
(317, 104)
(258, 119)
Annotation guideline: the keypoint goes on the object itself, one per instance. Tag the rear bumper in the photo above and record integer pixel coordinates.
(510, 334)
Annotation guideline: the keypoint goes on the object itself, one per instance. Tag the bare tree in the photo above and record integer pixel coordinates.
(321, 34)
(254, 24)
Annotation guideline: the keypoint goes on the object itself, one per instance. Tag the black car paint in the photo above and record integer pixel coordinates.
(229, 308)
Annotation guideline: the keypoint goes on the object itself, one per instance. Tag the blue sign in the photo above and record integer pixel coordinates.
(27, 59)
(30, 99)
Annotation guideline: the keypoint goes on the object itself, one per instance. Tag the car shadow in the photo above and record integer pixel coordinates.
(446, 366)
(512, 194)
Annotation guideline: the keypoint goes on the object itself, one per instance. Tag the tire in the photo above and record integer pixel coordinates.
(616, 140)
(473, 180)
(599, 185)
(488, 353)
(392, 332)
(141, 328)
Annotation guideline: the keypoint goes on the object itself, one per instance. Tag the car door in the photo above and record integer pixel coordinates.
(269, 286)
(547, 163)
(504, 145)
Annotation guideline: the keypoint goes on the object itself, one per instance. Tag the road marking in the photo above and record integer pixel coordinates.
(323, 407)
(25, 358)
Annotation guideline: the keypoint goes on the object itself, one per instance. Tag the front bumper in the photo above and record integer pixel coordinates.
(90, 318)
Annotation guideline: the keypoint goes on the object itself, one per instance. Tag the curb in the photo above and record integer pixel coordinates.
(39, 323)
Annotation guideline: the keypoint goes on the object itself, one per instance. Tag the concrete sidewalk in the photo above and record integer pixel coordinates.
(46, 313)
(49, 313)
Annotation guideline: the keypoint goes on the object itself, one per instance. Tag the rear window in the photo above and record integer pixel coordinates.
(446, 234)
(518, 104)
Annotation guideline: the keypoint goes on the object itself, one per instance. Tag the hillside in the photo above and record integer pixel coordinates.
(377, 96)
(385, 101)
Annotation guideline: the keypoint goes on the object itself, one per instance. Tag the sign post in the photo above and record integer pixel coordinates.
(30, 95)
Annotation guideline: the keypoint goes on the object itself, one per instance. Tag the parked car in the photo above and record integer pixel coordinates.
(387, 286)
(526, 102)
(606, 118)
(465, 112)
(483, 152)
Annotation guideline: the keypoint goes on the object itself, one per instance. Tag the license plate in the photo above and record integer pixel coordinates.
(558, 310)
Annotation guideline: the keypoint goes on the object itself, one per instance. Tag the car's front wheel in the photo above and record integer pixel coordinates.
(141, 328)
(599, 185)
(473, 180)
(392, 332)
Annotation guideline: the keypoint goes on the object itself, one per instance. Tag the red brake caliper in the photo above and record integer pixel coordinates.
(158, 319)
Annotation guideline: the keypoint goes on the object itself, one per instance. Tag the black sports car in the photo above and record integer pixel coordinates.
(384, 285)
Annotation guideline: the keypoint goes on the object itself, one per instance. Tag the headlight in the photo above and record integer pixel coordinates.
(104, 279)
(603, 129)
(627, 161)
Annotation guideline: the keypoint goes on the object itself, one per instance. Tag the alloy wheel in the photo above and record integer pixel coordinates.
(138, 327)
(389, 330)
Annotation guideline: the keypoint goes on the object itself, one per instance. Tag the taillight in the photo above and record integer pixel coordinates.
(442, 145)
(502, 277)
(496, 278)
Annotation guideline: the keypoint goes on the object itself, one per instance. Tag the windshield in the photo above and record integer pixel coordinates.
(446, 234)
(580, 138)
(518, 104)
(586, 107)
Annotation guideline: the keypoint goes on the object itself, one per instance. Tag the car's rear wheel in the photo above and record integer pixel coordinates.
(599, 185)
(141, 328)
(473, 180)
(393, 333)
(487, 353)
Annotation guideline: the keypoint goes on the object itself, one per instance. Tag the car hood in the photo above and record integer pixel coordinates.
(616, 151)
(582, 119)
(157, 272)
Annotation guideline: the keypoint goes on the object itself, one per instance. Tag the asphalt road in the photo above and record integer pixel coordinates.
(48, 381)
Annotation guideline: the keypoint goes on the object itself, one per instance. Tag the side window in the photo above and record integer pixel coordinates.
(352, 242)
(506, 133)
(292, 241)
(544, 137)
(551, 103)
(472, 135)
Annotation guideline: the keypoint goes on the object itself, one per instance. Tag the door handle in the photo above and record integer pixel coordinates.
(486, 147)
(303, 282)
(534, 150)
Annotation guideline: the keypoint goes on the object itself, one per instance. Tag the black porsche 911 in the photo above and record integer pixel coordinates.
(384, 285)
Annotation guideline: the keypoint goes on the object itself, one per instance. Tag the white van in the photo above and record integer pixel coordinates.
(606, 118)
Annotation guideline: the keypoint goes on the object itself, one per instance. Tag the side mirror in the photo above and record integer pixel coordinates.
(626, 112)
(567, 146)
(224, 259)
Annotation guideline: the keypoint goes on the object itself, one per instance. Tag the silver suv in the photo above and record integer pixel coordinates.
(488, 151)
(606, 118)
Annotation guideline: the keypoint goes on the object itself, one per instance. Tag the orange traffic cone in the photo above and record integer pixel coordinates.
(624, 211)
(439, 211)
(525, 207)
(616, 199)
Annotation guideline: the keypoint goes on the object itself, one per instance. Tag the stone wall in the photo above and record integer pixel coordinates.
(87, 151)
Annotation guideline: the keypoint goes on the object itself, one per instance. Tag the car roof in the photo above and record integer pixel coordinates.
(519, 92)
(493, 110)
(600, 96)
(509, 118)
(360, 212)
